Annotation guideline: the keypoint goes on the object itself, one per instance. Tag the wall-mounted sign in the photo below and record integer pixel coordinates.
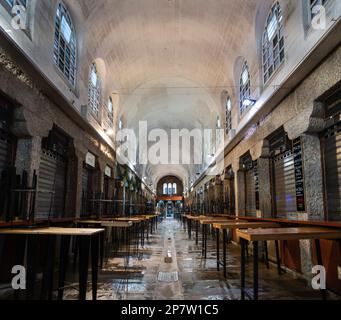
(107, 171)
(299, 176)
(90, 160)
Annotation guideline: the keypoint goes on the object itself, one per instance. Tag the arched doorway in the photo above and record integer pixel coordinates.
(170, 210)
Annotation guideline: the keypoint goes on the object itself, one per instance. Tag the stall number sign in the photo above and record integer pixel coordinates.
(108, 171)
(90, 160)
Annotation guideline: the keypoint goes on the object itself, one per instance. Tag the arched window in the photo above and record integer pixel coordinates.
(170, 189)
(165, 188)
(110, 107)
(245, 89)
(120, 124)
(228, 116)
(273, 42)
(218, 124)
(175, 189)
(64, 49)
(94, 91)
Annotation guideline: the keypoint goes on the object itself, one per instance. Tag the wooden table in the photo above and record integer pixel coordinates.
(254, 236)
(238, 224)
(89, 238)
(207, 221)
(122, 233)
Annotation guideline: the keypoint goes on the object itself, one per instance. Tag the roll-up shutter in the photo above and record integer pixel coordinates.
(52, 177)
(332, 156)
(284, 184)
(287, 175)
(51, 182)
(88, 187)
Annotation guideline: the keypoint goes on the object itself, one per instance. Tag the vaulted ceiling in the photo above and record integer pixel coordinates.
(169, 60)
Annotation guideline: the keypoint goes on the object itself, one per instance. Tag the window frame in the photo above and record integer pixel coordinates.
(170, 189)
(110, 113)
(175, 188)
(273, 53)
(244, 90)
(94, 92)
(228, 116)
(64, 51)
(165, 189)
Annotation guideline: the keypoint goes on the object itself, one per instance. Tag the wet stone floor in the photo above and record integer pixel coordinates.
(198, 279)
(186, 277)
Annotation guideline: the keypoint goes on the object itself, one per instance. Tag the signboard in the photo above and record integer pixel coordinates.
(299, 177)
(107, 171)
(90, 160)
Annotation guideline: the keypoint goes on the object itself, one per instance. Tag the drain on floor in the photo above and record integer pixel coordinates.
(168, 276)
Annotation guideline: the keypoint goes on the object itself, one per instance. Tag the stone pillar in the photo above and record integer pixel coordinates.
(260, 152)
(307, 125)
(313, 176)
(78, 188)
(265, 200)
(239, 187)
(28, 156)
(101, 169)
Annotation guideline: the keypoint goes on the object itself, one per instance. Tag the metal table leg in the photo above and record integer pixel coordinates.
(255, 270)
(218, 249)
(84, 248)
(242, 268)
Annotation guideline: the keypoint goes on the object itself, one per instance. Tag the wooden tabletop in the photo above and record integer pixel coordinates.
(133, 220)
(289, 234)
(91, 221)
(209, 221)
(117, 224)
(108, 223)
(197, 218)
(244, 225)
(52, 231)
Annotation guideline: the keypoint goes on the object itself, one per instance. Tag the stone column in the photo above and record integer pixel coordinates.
(265, 200)
(239, 187)
(260, 152)
(313, 176)
(78, 188)
(29, 130)
(307, 125)
(28, 156)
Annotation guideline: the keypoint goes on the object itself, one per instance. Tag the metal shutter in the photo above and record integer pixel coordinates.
(5, 150)
(332, 156)
(51, 186)
(284, 184)
(85, 187)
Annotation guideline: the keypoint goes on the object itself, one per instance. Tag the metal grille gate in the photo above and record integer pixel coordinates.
(251, 186)
(52, 177)
(284, 184)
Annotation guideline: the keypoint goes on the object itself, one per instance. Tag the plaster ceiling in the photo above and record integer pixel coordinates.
(169, 60)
